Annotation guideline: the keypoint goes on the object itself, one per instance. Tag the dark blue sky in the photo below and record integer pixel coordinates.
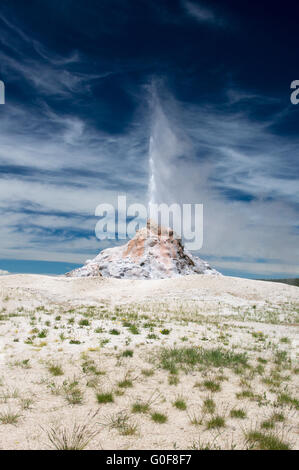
(87, 84)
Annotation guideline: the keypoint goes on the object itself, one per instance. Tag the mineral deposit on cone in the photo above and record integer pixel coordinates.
(155, 252)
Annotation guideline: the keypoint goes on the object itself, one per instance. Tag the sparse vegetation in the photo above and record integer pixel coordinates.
(211, 370)
(113, 331)
(73, 392)
(180, 403)
(286, 399)
(209, 406)
(263, 441)
(9, 417)
(140, 407)
(147, 372)
(238, 413)
(55, 369)
(103, 398)
(173, 359)
(212, 386)
(165, 331)
(159, 418)
(75, 438)
(122, 422)
(128, 353)
(216, 422)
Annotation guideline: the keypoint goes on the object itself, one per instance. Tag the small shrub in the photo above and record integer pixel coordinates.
(285, 399)
(8, 417)
(267, 424)
(114, 332)
(159, 418)
(122, 422)
(128, 353)
(26, 403)
(74, 395)
(140, 407)
(173, 379)
(180, 404)
(134, 330)
(105, 398)
(55, 369)
(209, 406)
(262, 360)
(216, 422)
(43, 333)
(278, 417)
(195, 418)
(281, 357)
(76, 438)
(212, 386)
(245, 394)
(238, 413)
(266, 441)
(147, 372)
(152, 336)
(165, 331)
(126, 383)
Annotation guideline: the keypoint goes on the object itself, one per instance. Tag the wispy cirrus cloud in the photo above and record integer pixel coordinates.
(55, 169)
(201, 13)
(49, 73)
(15, 38)
(56, 166)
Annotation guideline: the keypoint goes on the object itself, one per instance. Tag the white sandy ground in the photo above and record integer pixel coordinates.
(40, 326)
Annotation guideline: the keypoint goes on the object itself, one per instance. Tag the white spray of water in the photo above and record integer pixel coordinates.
(165, 147)
(152, 185)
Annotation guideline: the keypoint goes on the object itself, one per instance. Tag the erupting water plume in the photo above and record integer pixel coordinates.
(165, 147)
(152, 177)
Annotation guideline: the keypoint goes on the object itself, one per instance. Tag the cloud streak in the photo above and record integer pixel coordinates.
(202, 14)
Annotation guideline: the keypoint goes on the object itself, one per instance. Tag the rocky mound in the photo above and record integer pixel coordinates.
(154, 253)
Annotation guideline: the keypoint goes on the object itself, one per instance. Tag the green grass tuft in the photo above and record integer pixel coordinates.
(216, 422)
(105, 398)
(266, 441)
(180, 404)
(159, 418)
(238, 413)
(55, 370)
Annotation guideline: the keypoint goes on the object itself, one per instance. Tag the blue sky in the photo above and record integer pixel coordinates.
(87, 84)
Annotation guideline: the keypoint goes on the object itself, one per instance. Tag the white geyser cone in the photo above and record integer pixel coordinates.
(155, 252)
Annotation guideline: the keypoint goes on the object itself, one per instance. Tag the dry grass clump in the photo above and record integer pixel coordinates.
(9, 417)
(122, 422)
(75, 438)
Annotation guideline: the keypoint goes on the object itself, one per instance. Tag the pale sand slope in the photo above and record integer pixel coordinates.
(85, 325)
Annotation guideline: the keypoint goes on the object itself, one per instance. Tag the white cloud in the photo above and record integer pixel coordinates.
(201, 14)
(48, 72)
